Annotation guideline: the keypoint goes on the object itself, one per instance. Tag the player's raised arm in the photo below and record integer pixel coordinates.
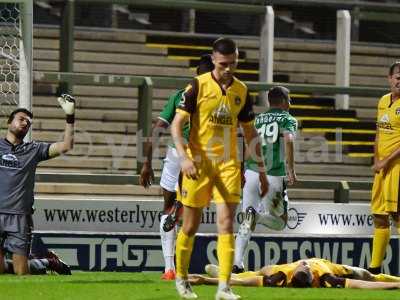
(67, 103)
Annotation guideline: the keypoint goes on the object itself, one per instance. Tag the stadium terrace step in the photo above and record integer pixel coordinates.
(97, 34)
(86, 126)
(90, 114)
(331, 113)
(368, 114)
(153, 40)
(83, 138)
(331, 158)
(333, 170)
(313, 101)
(310, 124)
(124, 69)
(351, 137)
(364, 149)
(114, 58)
(334, 177)
(96, 189)
(358, 195)
(194, 54)
(310, 194)
(95, 164)
(93, 191)
(110, 47)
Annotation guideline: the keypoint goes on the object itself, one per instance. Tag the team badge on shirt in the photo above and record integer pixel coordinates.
(397, 111)
(237, 100)
(184, 192)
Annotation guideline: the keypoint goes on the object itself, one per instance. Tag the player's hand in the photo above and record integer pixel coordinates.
(264, 184)
(380, 165)
(291, 177)
(67, 103)
(196, 279)
(188, 168)
(146, 178)
(242, 177)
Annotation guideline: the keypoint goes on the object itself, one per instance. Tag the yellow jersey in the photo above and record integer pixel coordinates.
(214, 115)
(388, 126)
(325, 273)
(287, 270)
(320, 267)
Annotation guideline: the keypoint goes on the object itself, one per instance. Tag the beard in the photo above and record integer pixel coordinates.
(19, 133)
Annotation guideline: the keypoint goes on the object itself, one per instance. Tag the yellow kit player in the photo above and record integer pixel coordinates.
(214, 103)
(385, 190)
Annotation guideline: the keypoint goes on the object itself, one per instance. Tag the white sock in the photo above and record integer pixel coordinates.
(241, 242)
(222, 285)
(168, 245)
(271, 221)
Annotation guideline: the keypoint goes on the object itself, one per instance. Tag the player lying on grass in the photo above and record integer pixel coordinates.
(50, 261)
(312, 272)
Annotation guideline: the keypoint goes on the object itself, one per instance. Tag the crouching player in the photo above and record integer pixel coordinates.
(277, 129)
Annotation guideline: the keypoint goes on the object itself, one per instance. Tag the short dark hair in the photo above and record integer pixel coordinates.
(224, 46)
(393, 66)
(278, 94)
(302, 279)
(18, 110)
(205, 64)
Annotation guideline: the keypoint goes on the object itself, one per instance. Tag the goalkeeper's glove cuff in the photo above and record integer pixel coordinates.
(70, 119)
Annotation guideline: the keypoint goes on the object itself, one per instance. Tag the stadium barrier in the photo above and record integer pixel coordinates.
(109, 235)
(138, 252)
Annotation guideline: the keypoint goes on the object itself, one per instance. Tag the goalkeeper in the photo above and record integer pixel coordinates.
(313, 272)
(18, 163)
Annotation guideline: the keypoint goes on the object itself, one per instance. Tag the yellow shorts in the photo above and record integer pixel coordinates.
(217, 180)
(385, 191)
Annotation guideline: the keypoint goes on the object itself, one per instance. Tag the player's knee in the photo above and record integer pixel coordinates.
(381, 221)
(169, 200)
(279, 224)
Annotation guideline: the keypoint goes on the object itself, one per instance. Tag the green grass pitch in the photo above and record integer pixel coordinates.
(148, 286)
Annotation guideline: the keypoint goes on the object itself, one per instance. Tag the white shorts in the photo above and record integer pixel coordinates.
(171, 170)
(275, 201)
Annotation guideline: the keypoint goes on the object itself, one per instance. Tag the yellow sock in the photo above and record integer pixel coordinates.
(184, 247)
(225, 252)
(379, 244)
(247, 274)
(386, 278)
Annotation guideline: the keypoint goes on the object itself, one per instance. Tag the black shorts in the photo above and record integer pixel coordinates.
(16, 233)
